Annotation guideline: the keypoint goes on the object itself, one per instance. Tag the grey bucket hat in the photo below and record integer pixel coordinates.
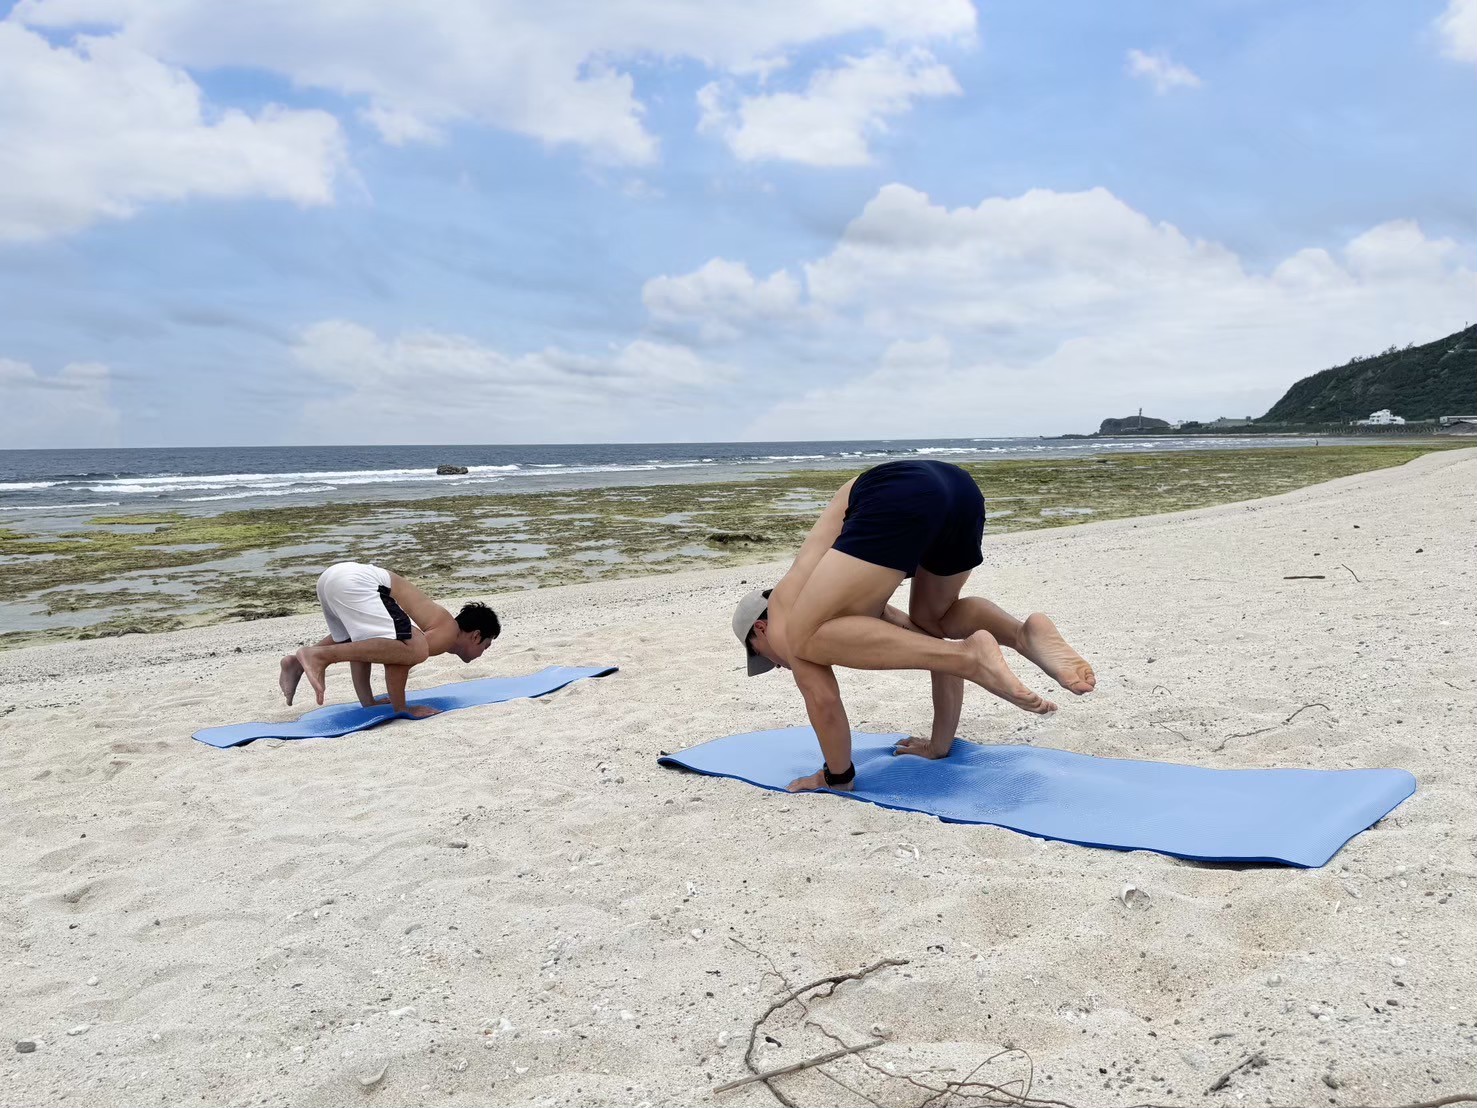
(753, 605)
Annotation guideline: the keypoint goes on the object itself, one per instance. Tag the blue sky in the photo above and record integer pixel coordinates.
(505, 222)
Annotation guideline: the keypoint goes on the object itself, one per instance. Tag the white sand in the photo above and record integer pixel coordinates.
(269, 924)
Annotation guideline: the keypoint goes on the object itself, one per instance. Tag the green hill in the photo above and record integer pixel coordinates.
(1418, 382)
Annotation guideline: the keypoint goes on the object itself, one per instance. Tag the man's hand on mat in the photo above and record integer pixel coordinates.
(816, 780)
(415, 711)
(923, 748)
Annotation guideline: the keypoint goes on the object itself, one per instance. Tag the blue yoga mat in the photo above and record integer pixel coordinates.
(1297, 816)
(341, 719)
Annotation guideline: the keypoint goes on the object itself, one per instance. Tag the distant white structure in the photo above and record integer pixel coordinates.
(1382, 418)
(1225, 422)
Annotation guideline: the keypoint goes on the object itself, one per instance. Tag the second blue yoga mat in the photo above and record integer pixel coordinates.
(1297, 816)
(341, 719)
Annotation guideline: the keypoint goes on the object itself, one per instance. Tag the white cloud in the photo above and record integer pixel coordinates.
(908, 264)
(832, 122)
(72, 407)
(1457, 26)
(1157, 69)
(391, 389)
(94, 131)
(1049, 311)
(550, 72)
(722, 299)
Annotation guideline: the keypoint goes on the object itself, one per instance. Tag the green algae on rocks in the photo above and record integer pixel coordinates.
(172, 570)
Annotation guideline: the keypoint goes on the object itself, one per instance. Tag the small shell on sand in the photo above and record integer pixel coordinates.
(1134, 897)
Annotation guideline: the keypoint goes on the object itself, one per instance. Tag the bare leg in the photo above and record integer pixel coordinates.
(828, 629)
(1035, 637)
(315, 660)
(948, 702)
(969, 614)
(291, 672)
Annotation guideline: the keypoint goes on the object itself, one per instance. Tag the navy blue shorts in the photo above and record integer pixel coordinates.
(914, 515)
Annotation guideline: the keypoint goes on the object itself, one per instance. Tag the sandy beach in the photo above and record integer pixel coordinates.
(516, 905)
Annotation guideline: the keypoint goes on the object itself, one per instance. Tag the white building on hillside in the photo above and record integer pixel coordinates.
(1382, 418)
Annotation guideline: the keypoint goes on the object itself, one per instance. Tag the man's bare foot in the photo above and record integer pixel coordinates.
(1040, 641)
(812, 782)
(993, 675)
(314, 669)
(292, 673)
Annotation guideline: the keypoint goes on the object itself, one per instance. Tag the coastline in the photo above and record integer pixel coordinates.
(289, 920)
(137, 573)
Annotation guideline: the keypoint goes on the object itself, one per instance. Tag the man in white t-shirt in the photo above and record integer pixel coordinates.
(376, 617)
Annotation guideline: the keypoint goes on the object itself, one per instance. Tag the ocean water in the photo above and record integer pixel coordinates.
(50, 488)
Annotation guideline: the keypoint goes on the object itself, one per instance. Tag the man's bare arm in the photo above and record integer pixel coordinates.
(363, 687)
(395, 682)
(822, 693)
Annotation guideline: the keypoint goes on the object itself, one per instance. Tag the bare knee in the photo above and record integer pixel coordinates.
(928, 619)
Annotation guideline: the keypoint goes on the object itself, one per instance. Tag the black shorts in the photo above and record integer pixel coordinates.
(915, 515)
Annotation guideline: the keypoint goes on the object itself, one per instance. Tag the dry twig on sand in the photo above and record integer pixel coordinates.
(1254, 1061)
(941, 1093)
(1263, 730)
(796, 1067)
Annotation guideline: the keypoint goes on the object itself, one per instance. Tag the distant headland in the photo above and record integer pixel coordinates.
(1421, 390)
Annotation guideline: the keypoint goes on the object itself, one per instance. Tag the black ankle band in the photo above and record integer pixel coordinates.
(844, 778)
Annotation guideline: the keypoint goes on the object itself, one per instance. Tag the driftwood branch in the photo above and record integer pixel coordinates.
(796, 1067)
(833, 980)
(792, 995)
(1351, 572)
(942, 1091)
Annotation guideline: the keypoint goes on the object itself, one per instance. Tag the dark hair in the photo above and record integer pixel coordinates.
(749, 638)
(477, 616)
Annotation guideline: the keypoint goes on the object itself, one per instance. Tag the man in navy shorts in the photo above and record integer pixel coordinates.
(918, 519)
